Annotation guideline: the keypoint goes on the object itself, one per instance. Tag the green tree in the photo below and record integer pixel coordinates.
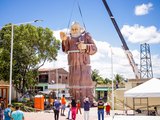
(96, 77)
(107, 81)
(33, 46)
(119, 78)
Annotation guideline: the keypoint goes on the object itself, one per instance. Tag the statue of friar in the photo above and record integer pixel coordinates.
(79, 45)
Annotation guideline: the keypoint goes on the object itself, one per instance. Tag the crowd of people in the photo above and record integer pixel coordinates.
(59, 106)
(75, 106)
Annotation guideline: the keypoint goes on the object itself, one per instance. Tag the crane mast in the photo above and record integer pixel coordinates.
(124, 44)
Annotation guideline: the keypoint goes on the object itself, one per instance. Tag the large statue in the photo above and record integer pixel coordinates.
(79, 46)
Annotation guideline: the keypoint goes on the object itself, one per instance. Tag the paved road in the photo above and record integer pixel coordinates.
(93, 116)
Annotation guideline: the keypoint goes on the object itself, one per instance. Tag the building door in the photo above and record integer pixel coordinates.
(99, 95)
(105, 95)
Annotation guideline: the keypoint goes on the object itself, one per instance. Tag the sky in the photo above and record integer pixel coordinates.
(138, 21)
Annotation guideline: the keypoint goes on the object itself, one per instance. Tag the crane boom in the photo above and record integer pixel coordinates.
(125, 47)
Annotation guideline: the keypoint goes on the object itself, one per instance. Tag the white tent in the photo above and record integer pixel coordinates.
(151, 88)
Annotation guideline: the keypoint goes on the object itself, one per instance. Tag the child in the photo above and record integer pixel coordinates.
(108, 108)
(78, 106)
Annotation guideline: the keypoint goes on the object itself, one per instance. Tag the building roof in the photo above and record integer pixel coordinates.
(3, 83)
(50, 69)
(103, 89)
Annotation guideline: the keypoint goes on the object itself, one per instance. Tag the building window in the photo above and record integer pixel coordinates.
(39, 88)
(43, 78)
(46, 87)
(63, 91)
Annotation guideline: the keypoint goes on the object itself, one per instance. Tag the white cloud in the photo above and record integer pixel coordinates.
(143, 9)
(141, 34)
(102, 60)
(156, 65)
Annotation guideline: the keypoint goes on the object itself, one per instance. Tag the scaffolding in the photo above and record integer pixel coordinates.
(145, 61)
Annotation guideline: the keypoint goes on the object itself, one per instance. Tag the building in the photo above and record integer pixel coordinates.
(53, 79)
(102, 91)
(4, 91)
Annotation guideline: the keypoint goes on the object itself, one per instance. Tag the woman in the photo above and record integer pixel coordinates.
(73, 109)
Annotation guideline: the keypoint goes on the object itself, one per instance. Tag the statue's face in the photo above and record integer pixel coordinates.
(75, 30)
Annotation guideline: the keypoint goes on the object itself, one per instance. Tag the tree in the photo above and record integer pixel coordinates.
(118, 79)
(33, 46)
(96, 77)
(107, 81)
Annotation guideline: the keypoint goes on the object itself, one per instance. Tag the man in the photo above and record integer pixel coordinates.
(7, 113)
(86, 108)
(79, 46)
(18, 114)
(63, 104)
(57, 105)
(100, 109)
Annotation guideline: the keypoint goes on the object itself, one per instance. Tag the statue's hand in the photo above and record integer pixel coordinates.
(82, 46)
(63, 36)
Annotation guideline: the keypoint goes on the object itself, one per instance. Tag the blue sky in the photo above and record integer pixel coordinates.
(137, 19)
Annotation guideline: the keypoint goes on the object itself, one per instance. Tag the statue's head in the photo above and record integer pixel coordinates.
(76, 29)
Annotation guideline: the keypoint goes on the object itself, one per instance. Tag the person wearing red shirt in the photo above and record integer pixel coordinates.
(78, 106)
(108, 108)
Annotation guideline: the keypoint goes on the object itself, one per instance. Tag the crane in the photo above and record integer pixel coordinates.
(124, 44)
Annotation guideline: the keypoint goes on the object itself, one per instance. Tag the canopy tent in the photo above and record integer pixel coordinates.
(147, 89)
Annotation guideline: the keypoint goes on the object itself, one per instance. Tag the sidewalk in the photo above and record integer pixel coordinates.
(93, 116)
(50, 116)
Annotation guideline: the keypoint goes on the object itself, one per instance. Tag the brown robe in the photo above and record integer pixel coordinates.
(80, 82)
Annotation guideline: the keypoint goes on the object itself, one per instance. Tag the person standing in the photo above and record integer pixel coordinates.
(108, 108)
(73, 109)
(18, 114)
(79, 45)
(1, 112)
(7, 113)
(57, 106)
(63, 104)
(69, 116)
(86, 105)
(79, 106)
(100, 109)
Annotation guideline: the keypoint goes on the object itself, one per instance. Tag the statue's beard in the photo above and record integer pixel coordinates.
(76, 35)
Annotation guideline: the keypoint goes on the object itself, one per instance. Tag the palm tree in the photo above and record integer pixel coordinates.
(118, 79)
(107, 81)
(96, 77)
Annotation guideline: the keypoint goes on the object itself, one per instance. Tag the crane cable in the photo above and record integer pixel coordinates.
(80, 11)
